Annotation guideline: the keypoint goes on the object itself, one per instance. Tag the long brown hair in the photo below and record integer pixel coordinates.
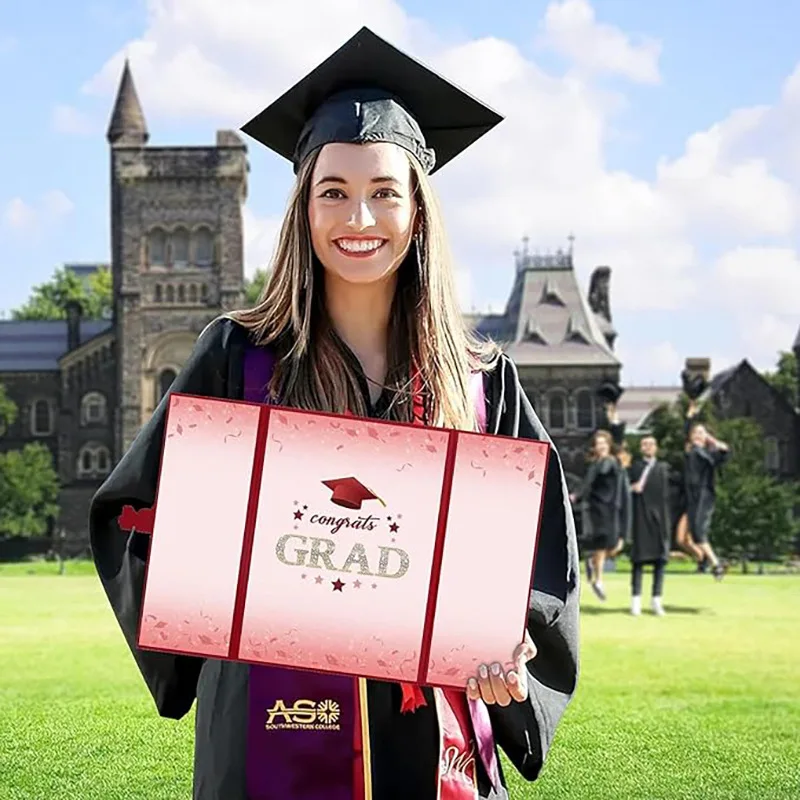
(427, 331)
(601, 434)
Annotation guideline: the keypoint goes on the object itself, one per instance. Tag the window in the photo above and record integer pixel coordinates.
(180, 248)
(193, 293)
(584, 403)
(159, 295)
(181, 294)
(558, 411)
(165, 380)
(94, 461)
(204, 292)
(170, 294)
(203, 248)
(41, 418)
(772, 454)
(93, 409)
(157, 248)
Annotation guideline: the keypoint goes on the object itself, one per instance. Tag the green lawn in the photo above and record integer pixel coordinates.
(702, 704)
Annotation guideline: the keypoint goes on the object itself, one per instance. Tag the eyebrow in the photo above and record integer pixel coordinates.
(339, 179)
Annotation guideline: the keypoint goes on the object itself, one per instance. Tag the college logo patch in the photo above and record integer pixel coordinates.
(310, 715)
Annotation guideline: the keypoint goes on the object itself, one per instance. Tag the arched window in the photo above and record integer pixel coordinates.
(180, 247)
(93, 409)
(584, 403)
(165, 379)
(193, 293)
(203, 247)
(170, 294)
(41, 418)
(181, 294)
(159, 294)
(204, 292)
(557, 404)
(94, 461)
(157, 248)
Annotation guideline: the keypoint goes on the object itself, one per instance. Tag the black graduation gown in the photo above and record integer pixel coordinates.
(605, 504)
(652, 521)
(701, 464)
(405, 747)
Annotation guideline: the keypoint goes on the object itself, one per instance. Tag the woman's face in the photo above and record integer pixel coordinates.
(699, 436)
(601, 447)
(361, 210)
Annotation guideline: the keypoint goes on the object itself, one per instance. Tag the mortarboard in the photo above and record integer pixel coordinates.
(694, 385)
(369, 91)
(610, 392)
(350, 492)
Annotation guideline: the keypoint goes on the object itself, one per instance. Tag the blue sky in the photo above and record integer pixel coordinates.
(713, 57)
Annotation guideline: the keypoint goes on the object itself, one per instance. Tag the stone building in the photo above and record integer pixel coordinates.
(563, 345)
(84, 387)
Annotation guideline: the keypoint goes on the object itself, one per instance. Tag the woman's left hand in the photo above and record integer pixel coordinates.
(498, 687)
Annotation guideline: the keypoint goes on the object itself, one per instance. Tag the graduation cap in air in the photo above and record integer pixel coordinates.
(369, 91)
(350, 493)
(694, 385)
(610, 392)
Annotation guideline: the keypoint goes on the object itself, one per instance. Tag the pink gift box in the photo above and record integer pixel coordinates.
(339, 544)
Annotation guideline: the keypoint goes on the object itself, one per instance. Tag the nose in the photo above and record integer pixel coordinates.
(362, 217)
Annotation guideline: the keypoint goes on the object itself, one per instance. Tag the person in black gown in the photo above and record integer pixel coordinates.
(604, 500)
(704, 456)
(652, 527)
(360, 309)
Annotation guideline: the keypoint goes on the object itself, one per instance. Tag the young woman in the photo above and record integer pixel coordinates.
(704, 456)
(360, 316)
(604, 499)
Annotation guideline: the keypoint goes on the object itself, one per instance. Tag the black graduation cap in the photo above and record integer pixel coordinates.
(350, 492)
(694, 385)
(369, 91)
(610, 392)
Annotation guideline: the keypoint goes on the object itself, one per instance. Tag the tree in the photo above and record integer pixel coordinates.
(28, 491)
(754, 518)
(785, 378)
(49, 300)
(8, 410)
(253, 287)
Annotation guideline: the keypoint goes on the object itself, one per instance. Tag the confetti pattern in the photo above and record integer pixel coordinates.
(197, 541)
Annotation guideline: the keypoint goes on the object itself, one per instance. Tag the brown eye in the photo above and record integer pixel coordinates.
(386, 193)
(328, 194)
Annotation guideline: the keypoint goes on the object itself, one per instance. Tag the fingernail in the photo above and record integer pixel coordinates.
(495, 669)
(511, 677)
(473, 684)
(483, 672)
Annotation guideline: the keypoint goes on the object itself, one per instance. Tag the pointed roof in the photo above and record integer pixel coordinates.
(537, 330)
(127, 124)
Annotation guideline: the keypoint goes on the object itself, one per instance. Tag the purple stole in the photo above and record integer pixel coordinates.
(306, 763)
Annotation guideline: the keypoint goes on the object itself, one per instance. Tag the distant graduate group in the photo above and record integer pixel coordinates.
(645, 503)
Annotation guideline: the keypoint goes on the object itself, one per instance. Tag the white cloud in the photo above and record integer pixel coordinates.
(18, 214)
(68, 119)
(571, 29)
(542, 171)
(260, 236)
(21, 215)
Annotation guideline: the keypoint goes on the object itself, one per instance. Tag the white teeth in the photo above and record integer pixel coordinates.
(359, 245)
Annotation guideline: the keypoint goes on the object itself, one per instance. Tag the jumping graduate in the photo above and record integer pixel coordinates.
(704, 456)
(360, 315)
(651, 523)
(604, 496)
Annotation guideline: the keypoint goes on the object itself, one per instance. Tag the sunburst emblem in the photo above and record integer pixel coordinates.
(328, 711)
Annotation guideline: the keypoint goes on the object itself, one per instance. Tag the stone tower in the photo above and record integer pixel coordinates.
(176, 253)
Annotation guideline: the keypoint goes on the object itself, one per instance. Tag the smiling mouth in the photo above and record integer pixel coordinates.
(359, 248)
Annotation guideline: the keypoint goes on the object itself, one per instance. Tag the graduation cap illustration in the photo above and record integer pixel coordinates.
(350, 492)
(610, 392)
(369, 91)
(694, 385)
